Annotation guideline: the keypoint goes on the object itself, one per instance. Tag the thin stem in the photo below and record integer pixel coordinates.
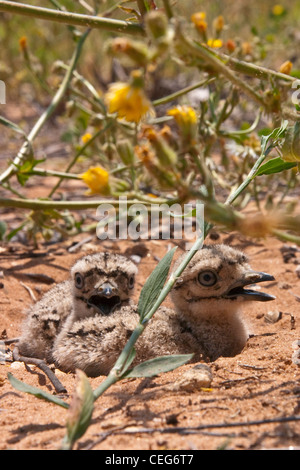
(177, 94)
(114, 373)
(197, 50)
(49, 111)
(233, 196)
(168, 9)
(76, 19)
(58, 174)
(78, 154)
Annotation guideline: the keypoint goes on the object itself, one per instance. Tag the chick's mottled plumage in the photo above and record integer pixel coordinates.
(99, 283)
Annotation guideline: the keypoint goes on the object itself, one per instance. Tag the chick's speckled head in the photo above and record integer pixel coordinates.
(219, 272)
(102, 282)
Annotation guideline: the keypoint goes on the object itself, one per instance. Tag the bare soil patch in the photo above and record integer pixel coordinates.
(262, 384)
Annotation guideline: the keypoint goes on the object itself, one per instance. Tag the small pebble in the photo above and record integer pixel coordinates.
(194, 379)
(273, 316)
(17, 365)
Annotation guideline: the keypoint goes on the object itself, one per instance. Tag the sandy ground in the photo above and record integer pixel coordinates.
(261, 385)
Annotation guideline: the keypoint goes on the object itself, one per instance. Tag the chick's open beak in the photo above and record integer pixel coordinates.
(251, 277)
(106, 299)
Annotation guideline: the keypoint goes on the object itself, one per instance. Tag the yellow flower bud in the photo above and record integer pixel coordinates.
(286, 67)
(186, 119)
(136, 51)
(218, 24)
(97, 179)
(199, 21)
(165, 154)
(23, 42)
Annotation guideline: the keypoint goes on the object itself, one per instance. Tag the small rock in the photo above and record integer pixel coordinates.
(135, 258)
(194, 379)
(284, 285)
(297, 271)
(17, 365)
(273, 316)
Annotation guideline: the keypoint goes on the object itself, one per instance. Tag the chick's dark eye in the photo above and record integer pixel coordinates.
(79, 281)
(207, 278)
(131, 282)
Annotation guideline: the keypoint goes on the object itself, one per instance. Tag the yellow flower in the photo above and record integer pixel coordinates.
(277, 10)
(86, 137)
(128, 100)
(286, 67)
(186, 119)
(215, 43)
(198, 16)
(97, 179)
(183, 114)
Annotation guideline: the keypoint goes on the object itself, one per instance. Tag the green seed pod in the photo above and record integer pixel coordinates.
(291, 147)
(126, 152)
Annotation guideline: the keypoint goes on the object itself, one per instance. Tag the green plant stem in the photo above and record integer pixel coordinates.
(75, 19)
(114, 374)
(78, 154)
(177, 94)
(253, 70)
(203, 53)
(42, 204)
(168, 9)
(142, 7)
(49, 111)
(58, 174)
(233, 196)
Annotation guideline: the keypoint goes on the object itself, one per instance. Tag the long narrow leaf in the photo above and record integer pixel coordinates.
(275, 165)
(37, 392)
(154, 284)
(158, 365)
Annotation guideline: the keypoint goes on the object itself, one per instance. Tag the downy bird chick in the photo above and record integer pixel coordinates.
(206, 320)
(99, 284)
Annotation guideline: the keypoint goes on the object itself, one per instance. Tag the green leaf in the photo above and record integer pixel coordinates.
(274, 135)
(3, 228)
(275, 165)
(12, 126)
(158, 365)
(37, 392)
(80, 410)
(11, 234)
(154, 284)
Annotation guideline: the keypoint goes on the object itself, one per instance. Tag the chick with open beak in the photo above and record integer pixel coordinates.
(101, 286)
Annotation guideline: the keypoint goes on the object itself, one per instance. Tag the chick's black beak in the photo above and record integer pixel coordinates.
(251, 277)
(106, 299)
(107, 290)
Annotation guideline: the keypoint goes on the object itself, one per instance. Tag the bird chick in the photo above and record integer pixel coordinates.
(206, 320)
(208, 297)
(99, 284)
